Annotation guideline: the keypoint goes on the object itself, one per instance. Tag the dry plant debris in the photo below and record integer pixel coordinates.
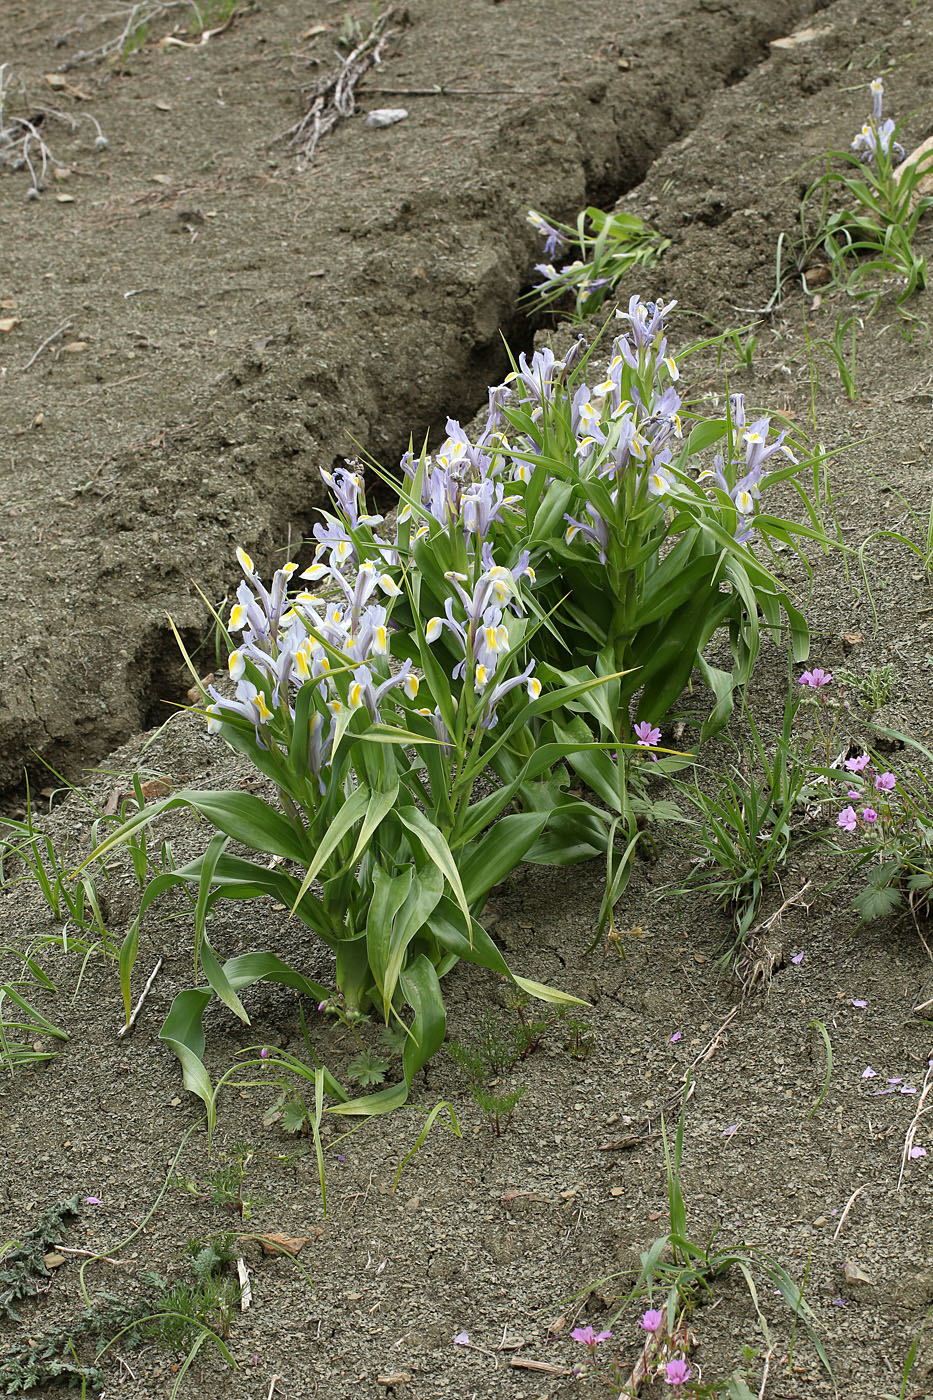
(332, 97)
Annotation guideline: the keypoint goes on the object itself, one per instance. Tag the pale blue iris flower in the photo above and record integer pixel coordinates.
(877, 134)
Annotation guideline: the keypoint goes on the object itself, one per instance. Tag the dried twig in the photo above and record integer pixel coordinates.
(100, 141)
(105, 1258)
(523, 1363)
(136, 16)
(441, 91)
(139, 1005)
(246, 1288)
(849, 1204)
(645, 1132)
(65, 326)
(18, 135)
(332, 97)
(711, 1046)
(922, 1108)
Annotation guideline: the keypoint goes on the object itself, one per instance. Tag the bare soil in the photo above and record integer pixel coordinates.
(278, 314)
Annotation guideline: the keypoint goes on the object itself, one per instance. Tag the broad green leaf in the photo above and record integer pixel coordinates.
(129, 949)
(246, 818)
(389, 894)
(423, 897)
(496, 854)
(183, 1031)
(705, 434)
(218, 980)
(248, 968)
(350, 813)
(183, 1027)
(380, 805)
(371, 1105)
(422, 991)
(574, 833)
(435, 848)
(240, 815)
(208, 862)
(472, 943)
(552, 995)
(722, 684)
(238, 878)
(298, 749)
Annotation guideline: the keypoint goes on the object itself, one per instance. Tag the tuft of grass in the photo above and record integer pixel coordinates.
(919, 542)
(683, 1270)
(141, 19)
(745, 829)
(827, 1045)
(909, 1360)
(842, 351)
(29, 855)
(14, 1051)
(482, 1062)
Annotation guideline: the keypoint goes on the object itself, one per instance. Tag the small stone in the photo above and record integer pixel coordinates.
(802, 36)
(173, 1103)
(53, 1260)
(386, 116)
(853, 1274)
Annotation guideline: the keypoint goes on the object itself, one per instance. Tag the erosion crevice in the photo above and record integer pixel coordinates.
(377, 315)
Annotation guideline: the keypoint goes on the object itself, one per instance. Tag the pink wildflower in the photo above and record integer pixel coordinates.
(816, 678)
(588, 1337)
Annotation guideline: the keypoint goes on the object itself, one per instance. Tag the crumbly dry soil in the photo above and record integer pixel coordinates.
(107, 518)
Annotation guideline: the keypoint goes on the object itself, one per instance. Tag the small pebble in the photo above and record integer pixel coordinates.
(386, 116)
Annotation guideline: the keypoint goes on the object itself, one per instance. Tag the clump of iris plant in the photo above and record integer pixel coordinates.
(608, 246)
(385, 830)
(860, 218)
(640, 522)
